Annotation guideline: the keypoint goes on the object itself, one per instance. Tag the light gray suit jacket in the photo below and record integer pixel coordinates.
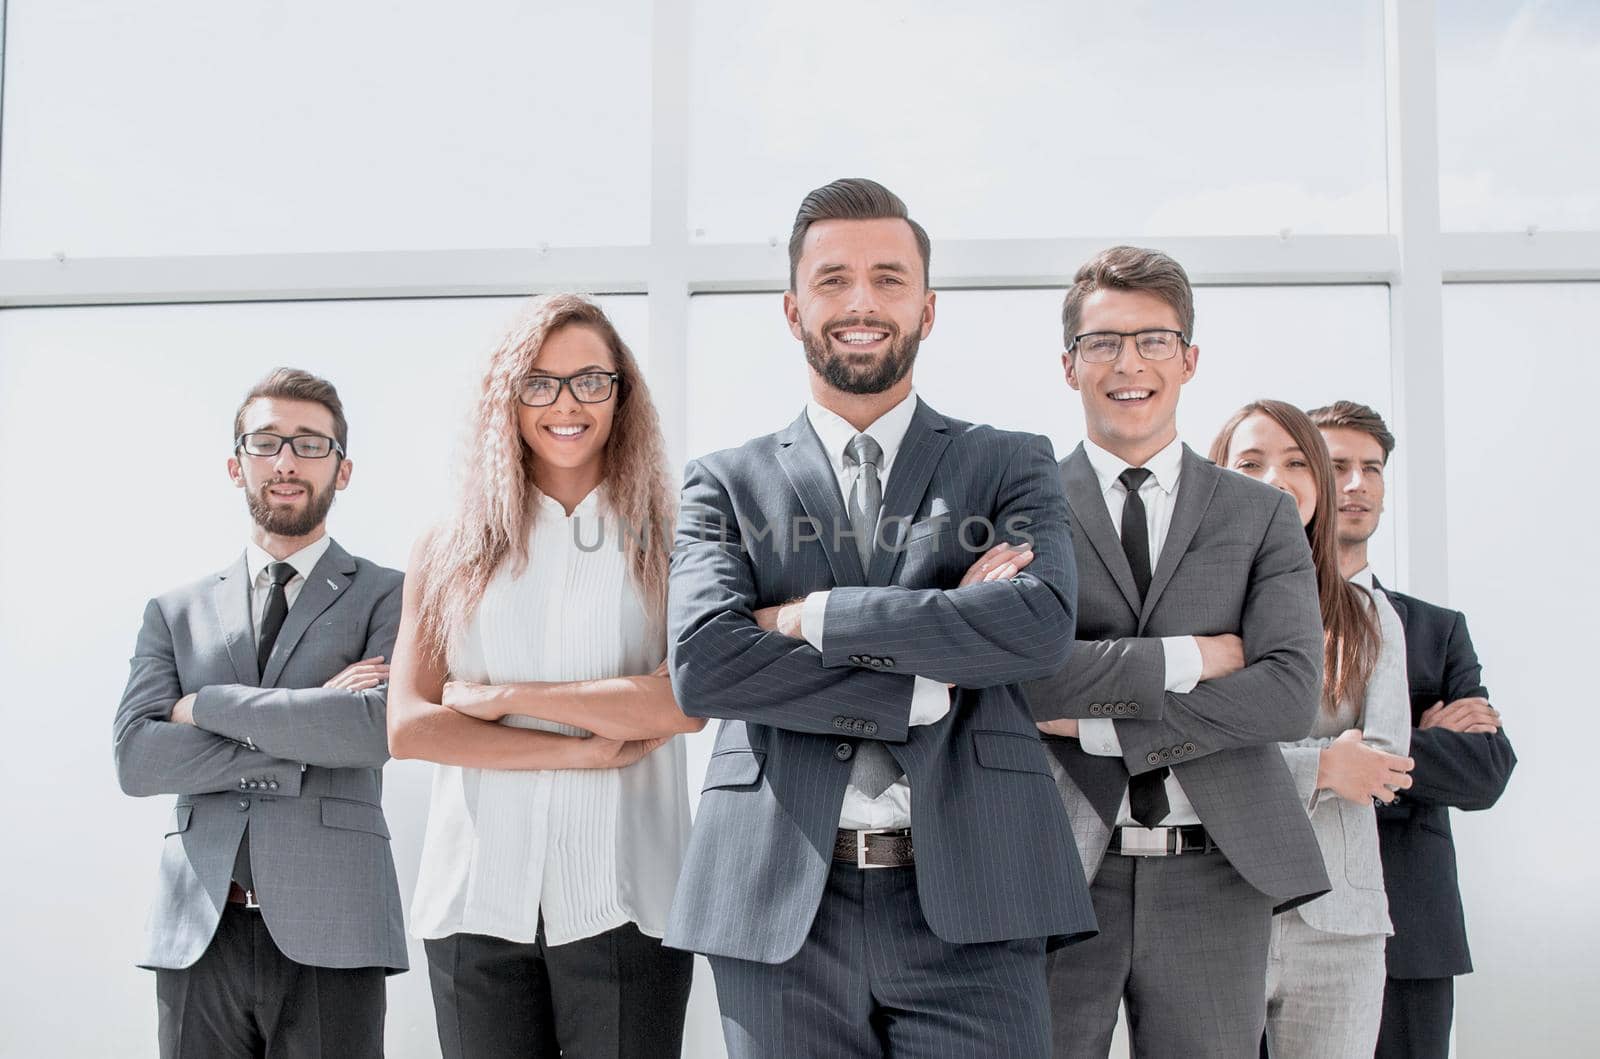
(1347, 831)
(301, 764)
(763, 524)
(1235, 561)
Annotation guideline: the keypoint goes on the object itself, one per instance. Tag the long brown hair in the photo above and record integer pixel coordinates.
(499, 497)
(1350, 625)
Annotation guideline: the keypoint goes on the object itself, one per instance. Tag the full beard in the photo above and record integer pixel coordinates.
(284, 521)
(851, 376)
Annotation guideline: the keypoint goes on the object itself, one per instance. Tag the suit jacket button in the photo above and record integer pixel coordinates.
(876, 663)
(1166, 755)
(244, 803)
(244, 784)
(272, 785)
(871, 728)
(1121, 709)
(855, 659)
(858, 724)
(838, 722)
(1153, 758)
(1094, 709)
(1189, 748)
(888, 663)
(843, 751)
(1133, 707)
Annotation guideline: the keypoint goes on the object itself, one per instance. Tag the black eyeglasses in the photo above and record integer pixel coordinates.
(1103, 347)
(306, 446)
(588, 387)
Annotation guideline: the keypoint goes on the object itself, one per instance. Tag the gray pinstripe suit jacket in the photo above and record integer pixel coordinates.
(994, 852)
(1235, 561)
(302, 765)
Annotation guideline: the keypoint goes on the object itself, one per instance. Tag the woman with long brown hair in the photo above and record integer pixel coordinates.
(1325, 970)
(529, 667)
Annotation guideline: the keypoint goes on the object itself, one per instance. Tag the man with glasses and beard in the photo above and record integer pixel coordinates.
(832, 601)
(256, 695)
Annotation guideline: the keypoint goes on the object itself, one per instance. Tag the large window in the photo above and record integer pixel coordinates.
(191, 127)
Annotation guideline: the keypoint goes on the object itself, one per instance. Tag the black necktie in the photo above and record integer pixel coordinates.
(1147, 792)
(277, 607)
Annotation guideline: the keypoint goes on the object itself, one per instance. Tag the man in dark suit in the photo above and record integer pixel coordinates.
(1463, 760)
(1199, 649)
(825, 603)
(256, 695)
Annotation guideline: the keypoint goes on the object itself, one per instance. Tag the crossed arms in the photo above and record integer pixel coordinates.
(991, 632)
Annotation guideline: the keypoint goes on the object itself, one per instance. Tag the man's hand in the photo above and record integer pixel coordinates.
(1463, 715)
(784, 619)
(1359, 773)
(474, 700)
(998, 563)
(359, 676)
(1220, 655)
(617, 753)
(183, 709)
(1066, 727)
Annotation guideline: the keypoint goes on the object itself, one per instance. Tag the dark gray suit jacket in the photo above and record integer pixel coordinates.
(994, 853)
(1235, 561)
(301, 764)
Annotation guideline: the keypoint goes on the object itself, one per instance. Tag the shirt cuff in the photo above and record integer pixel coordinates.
(930, 701)
(812, 613)
(1184, 664)
(1098, 736)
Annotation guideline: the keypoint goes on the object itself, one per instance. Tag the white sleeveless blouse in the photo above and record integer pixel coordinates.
(590, 848)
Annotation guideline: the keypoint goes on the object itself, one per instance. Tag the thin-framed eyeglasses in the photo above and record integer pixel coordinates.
(306, 446)
(1103, 347)
(587, 387)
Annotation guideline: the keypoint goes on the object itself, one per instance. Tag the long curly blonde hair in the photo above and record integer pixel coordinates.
(499, 498)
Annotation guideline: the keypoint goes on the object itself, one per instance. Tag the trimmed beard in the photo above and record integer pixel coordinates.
(841, 374)
(285, 522)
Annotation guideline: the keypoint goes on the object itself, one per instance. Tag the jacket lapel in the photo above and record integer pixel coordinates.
(328, 580)
(914, 464)
(1197, 482)
(230, 597)
(1078, 481)
(803, 460)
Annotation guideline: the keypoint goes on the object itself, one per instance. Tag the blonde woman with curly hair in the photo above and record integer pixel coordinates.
(529, 667)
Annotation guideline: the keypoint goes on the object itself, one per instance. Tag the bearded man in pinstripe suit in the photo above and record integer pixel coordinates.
(839, 600)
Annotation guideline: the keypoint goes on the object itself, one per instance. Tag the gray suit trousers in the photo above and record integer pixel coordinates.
(872, 979)
(1185, 938)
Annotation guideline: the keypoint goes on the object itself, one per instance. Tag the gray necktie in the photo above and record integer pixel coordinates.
(875, 770)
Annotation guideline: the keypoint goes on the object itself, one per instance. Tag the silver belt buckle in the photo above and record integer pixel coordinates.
(1144, 841)
(861, 846)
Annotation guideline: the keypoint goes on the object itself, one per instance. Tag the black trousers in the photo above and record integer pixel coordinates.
(1416, 1018)
(873, 979)
(617, 995)
(244, 999)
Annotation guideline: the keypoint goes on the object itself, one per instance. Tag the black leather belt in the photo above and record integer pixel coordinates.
(1161, 841)
(881, 847)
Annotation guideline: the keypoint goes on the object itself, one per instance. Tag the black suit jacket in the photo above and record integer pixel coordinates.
(1467, 771)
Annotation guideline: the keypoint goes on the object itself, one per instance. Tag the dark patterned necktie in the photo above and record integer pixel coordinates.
(277, 609)
(1147, 792)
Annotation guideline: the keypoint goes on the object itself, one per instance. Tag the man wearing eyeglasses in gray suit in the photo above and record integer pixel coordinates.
(1199, 649)
(256, 695)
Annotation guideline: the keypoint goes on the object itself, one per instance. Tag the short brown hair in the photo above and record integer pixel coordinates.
(852, 199)
(1130, 268)
(292, 384)
(1351, 415)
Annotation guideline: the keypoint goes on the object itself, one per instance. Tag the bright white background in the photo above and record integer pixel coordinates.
(1329, 172)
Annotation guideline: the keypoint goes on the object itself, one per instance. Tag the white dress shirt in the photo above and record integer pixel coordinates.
(256, 561)
(591, 849)
(930, 700)
(1098, 735)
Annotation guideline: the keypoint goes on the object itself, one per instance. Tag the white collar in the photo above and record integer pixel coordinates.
(1164, 466)
(549, 505)
(304, 561)
(888, 430)
(1363, 577)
